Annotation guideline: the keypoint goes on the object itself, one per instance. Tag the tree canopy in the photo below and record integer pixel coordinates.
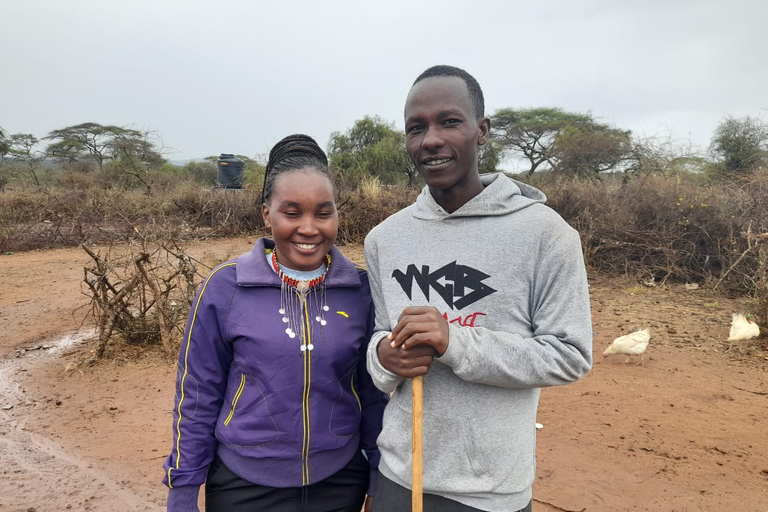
(531, 132)
(556, 140)
(372, 147)
(4, 143)
(100, 144)
(741, 144)
(21, 149)
(586, 151)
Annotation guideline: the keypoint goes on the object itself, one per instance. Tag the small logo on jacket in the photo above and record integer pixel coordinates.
(459, 279)
(467, 321)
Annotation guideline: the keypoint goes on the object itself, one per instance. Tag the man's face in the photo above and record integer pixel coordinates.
(443, 133)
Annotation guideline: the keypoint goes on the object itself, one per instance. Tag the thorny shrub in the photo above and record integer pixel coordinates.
(359, 212)
(69, 217)
(678, 228)
(141, 293)
(667, 228)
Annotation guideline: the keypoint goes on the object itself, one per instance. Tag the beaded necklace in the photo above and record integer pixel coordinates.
(293, 301)
(295, 282)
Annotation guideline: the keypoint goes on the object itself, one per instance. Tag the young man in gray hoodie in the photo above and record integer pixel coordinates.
(480, 288)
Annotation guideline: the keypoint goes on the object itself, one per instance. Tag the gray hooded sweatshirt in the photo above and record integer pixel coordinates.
(507, 272)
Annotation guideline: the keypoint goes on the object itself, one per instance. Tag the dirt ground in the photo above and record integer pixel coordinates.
(686, 432)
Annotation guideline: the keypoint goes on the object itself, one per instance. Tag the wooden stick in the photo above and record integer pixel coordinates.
(417, 389)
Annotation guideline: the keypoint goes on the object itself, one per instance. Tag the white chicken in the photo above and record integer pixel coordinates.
(742, 329)
(632, 344)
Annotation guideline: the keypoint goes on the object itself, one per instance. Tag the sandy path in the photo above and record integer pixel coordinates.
(685, 433)
(39, 470)
(86, 439)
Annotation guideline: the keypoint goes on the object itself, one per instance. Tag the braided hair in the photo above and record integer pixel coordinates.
(475, 92)
(294, 152)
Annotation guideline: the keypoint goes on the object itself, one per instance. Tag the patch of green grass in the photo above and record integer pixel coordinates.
(711, 304)
(636, 290)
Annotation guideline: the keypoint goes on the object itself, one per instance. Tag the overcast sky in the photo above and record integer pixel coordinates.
(235, 76)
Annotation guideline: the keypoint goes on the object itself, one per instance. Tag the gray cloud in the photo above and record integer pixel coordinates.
(237, 75)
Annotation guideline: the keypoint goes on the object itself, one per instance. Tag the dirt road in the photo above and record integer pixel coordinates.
(686, 432)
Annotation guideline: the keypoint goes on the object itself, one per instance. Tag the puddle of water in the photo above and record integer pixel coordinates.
(69, 340)
(10, 390)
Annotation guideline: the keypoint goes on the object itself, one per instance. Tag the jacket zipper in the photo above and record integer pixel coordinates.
(235, 399)
(307, 354)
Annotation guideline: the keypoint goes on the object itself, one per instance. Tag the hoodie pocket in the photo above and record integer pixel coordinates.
(507, 451)
(451, 462)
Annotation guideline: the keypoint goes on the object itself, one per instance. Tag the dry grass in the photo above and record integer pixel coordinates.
(667, 228)
(359, 212)
(677, 228)
(370, 188)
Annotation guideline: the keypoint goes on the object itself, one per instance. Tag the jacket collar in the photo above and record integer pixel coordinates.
(253, 270)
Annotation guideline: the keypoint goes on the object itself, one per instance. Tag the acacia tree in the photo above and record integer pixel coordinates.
(21, 147)
(134, 155)
(531, 132)
(741, 144)
(372, 147)
(566, 142)
(101, 144)
(586, 151)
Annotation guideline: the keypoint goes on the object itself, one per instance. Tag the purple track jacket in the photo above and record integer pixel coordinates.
(274, 414)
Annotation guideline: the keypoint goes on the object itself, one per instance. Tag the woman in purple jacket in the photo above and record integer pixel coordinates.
(274, 408)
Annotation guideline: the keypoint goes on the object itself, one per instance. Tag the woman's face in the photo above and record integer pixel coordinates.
(302, 216)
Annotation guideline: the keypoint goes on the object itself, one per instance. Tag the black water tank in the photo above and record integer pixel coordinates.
(230, 171)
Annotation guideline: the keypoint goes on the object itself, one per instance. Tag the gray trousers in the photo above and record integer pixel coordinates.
(391, 497)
